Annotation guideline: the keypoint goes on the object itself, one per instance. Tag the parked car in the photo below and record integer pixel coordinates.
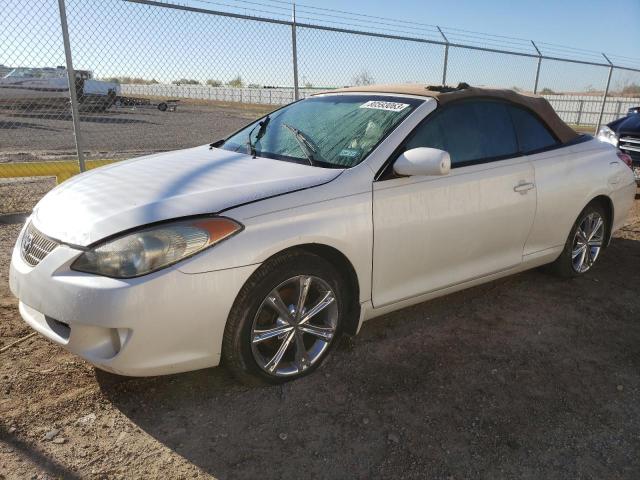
(260, 250)
(624, 133)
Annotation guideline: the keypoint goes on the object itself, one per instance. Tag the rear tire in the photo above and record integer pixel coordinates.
(273, 335)
(584, 244)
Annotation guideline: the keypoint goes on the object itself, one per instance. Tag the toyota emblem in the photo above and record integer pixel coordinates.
(28, 242)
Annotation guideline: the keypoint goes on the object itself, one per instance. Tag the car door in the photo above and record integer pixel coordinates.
(431, 232)
(563, 178)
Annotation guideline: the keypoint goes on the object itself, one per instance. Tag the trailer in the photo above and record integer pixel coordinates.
(141, 102)
(27, 88)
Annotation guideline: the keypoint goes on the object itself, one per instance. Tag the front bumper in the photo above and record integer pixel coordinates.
(165, 322)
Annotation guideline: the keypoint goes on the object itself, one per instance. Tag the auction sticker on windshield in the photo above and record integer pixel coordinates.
(380, 105)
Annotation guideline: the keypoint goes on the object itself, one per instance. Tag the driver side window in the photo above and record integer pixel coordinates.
(472, 132)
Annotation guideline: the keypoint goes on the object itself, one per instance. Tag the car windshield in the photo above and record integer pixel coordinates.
(332, 131)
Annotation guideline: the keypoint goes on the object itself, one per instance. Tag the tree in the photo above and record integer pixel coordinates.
(236, 82)
(214, 83)
(631, 89)
(547, 91)
(131, 80)
(362, 78)
(254, 85)
(626, 87)
(186, 81)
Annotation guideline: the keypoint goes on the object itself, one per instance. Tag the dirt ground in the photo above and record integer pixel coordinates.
(528, 377)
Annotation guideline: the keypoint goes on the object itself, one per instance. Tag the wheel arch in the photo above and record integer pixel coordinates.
(342, 263)
(605, 202)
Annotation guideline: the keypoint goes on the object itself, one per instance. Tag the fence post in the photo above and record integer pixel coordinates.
(71, 78)
(535, 85)
(606, 92)
(294, 51)
(446, 56)
(579, 111)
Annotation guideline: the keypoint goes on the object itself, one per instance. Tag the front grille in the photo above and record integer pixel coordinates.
(35, 246)
(631, 146)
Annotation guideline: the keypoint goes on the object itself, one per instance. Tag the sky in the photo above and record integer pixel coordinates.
(114, 38)
(610, 26)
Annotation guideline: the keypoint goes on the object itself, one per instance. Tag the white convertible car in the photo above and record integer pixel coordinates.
(260, 250)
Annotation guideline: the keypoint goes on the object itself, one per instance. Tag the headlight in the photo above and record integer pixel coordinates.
(153, 248)
(605, 134)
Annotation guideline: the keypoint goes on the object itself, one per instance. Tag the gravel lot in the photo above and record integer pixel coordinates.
(527, 377)
(120, 133)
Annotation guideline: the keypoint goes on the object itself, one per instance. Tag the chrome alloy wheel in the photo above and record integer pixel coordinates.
(294, 326)
(587, 242)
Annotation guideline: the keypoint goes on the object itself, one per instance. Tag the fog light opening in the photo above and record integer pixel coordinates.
(59, 328)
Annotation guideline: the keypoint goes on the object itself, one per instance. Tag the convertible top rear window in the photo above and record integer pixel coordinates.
(533, 135)
(332, 131)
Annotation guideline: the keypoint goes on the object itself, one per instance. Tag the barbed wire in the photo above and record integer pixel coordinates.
(282, 10)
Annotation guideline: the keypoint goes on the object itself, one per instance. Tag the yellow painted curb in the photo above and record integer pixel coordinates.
(62, 170)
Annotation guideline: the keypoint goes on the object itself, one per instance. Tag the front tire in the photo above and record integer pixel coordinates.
(285, 320)
(584, 244)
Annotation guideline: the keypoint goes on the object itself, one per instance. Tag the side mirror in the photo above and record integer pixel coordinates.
(423, 161)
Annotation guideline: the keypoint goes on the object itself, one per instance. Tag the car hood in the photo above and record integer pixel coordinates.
(125, 195)
(627, 126)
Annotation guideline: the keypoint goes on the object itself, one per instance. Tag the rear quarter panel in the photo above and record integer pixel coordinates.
(567, 179)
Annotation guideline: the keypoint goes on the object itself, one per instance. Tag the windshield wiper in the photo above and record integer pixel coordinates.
(306, 144)
(262, 129)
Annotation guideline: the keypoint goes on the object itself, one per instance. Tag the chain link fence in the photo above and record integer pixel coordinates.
(149, 76)
(34, 102)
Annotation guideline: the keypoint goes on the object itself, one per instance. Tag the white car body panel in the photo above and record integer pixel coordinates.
(564, 179)
(341, 221)
(122, 325)
(407, 239)
(118, 197)
(454, 227)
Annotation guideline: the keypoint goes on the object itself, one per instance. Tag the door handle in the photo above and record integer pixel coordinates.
(523, 187)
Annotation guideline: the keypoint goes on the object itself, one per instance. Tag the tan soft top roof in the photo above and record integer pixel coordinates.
(537, 104)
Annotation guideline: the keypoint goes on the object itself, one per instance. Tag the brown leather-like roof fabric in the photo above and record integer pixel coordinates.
(537, 104)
